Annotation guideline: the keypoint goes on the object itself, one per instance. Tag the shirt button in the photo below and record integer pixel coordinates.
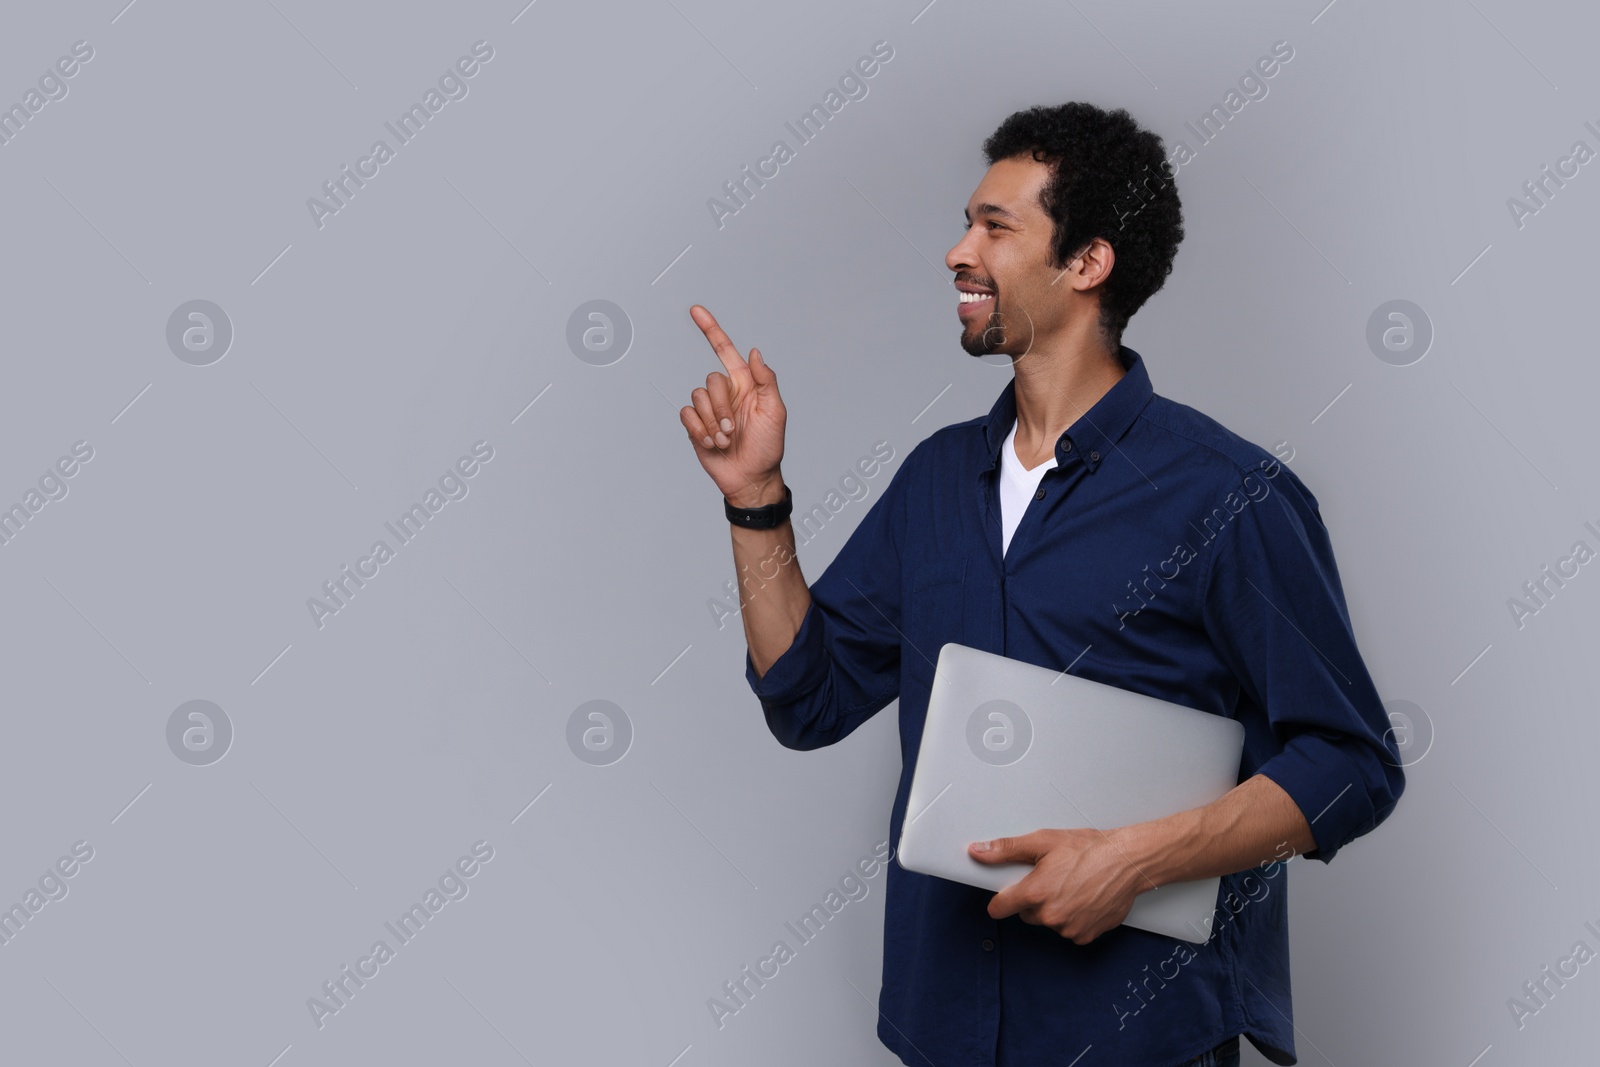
(988, 945)
(1039, 495)
(1094, 456)
(1066, 444)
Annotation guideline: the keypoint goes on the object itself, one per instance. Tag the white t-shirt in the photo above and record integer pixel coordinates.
(1017, 486)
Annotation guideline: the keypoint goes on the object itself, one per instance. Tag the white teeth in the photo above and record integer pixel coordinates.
(968, 298)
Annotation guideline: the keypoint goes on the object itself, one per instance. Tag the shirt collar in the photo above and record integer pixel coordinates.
(1096, 432)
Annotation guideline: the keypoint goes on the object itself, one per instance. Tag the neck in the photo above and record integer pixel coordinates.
(1056, 386)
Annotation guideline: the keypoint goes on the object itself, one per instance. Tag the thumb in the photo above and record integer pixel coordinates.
(762, 374)
(1005, 849)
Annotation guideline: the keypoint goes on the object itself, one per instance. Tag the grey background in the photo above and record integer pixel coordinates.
(369, 354)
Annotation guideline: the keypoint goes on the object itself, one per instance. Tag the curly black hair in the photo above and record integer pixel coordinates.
(1110, 179)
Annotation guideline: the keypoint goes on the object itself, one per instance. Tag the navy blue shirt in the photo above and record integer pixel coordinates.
(1163, 554)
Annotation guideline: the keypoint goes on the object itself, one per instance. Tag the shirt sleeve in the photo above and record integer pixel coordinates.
(1275, 610)
(844, 663)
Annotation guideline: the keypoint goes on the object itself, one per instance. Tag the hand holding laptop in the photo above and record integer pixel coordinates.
(1082, 883)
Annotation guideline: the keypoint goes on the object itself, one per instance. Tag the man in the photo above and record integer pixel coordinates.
(1085, 524)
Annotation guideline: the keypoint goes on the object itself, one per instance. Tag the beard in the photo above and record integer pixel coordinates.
(984, 337)
(979, 338)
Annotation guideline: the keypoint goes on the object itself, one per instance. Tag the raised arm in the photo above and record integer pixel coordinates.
(736, 425)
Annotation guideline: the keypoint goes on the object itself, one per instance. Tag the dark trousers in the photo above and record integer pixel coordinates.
(1224, 1055)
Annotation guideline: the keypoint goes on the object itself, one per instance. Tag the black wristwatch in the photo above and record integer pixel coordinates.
(764, 518)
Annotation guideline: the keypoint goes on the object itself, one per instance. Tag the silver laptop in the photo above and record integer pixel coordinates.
(1010, 747)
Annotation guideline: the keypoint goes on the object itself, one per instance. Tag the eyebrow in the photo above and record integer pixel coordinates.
(992, 209)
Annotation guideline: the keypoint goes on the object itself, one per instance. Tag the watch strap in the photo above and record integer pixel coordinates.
(762, 518)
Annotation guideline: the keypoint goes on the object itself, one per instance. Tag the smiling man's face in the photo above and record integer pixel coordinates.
(1004, 263)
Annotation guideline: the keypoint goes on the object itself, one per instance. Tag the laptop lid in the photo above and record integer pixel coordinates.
(1011, 747)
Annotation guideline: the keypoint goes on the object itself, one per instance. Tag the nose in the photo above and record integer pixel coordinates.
(962, 256)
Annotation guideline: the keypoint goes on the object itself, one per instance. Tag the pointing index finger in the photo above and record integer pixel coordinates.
(732, 362)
